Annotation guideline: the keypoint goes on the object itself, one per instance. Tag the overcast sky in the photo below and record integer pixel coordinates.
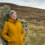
(30, 3)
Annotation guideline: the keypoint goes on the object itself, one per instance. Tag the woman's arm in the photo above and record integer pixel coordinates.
(4, 32)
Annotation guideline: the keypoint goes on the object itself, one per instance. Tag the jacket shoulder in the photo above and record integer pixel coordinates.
(19, 22)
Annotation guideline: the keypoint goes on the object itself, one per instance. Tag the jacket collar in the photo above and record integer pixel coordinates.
(11, 20)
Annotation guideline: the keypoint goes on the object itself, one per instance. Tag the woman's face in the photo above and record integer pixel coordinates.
(13, 16)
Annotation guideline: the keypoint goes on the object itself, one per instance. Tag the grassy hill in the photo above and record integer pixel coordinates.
(27, 12)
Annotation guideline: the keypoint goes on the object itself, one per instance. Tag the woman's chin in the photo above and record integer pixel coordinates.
(14, 19)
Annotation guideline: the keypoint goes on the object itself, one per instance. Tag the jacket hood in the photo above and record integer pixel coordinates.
(11, 20)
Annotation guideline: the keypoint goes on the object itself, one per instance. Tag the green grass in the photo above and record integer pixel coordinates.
(38, 39)
(35, 35)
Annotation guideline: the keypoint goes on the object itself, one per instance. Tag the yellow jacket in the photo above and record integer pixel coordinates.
(13, 32)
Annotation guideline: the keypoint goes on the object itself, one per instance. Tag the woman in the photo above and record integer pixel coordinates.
(13, 31)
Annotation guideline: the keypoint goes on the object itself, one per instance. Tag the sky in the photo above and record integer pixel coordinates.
(29, 3)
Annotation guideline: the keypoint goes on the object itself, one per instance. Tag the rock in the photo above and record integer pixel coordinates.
(3, 18)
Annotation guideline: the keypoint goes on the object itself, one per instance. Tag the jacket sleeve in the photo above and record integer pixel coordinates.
(22, 32)
(4, 32)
